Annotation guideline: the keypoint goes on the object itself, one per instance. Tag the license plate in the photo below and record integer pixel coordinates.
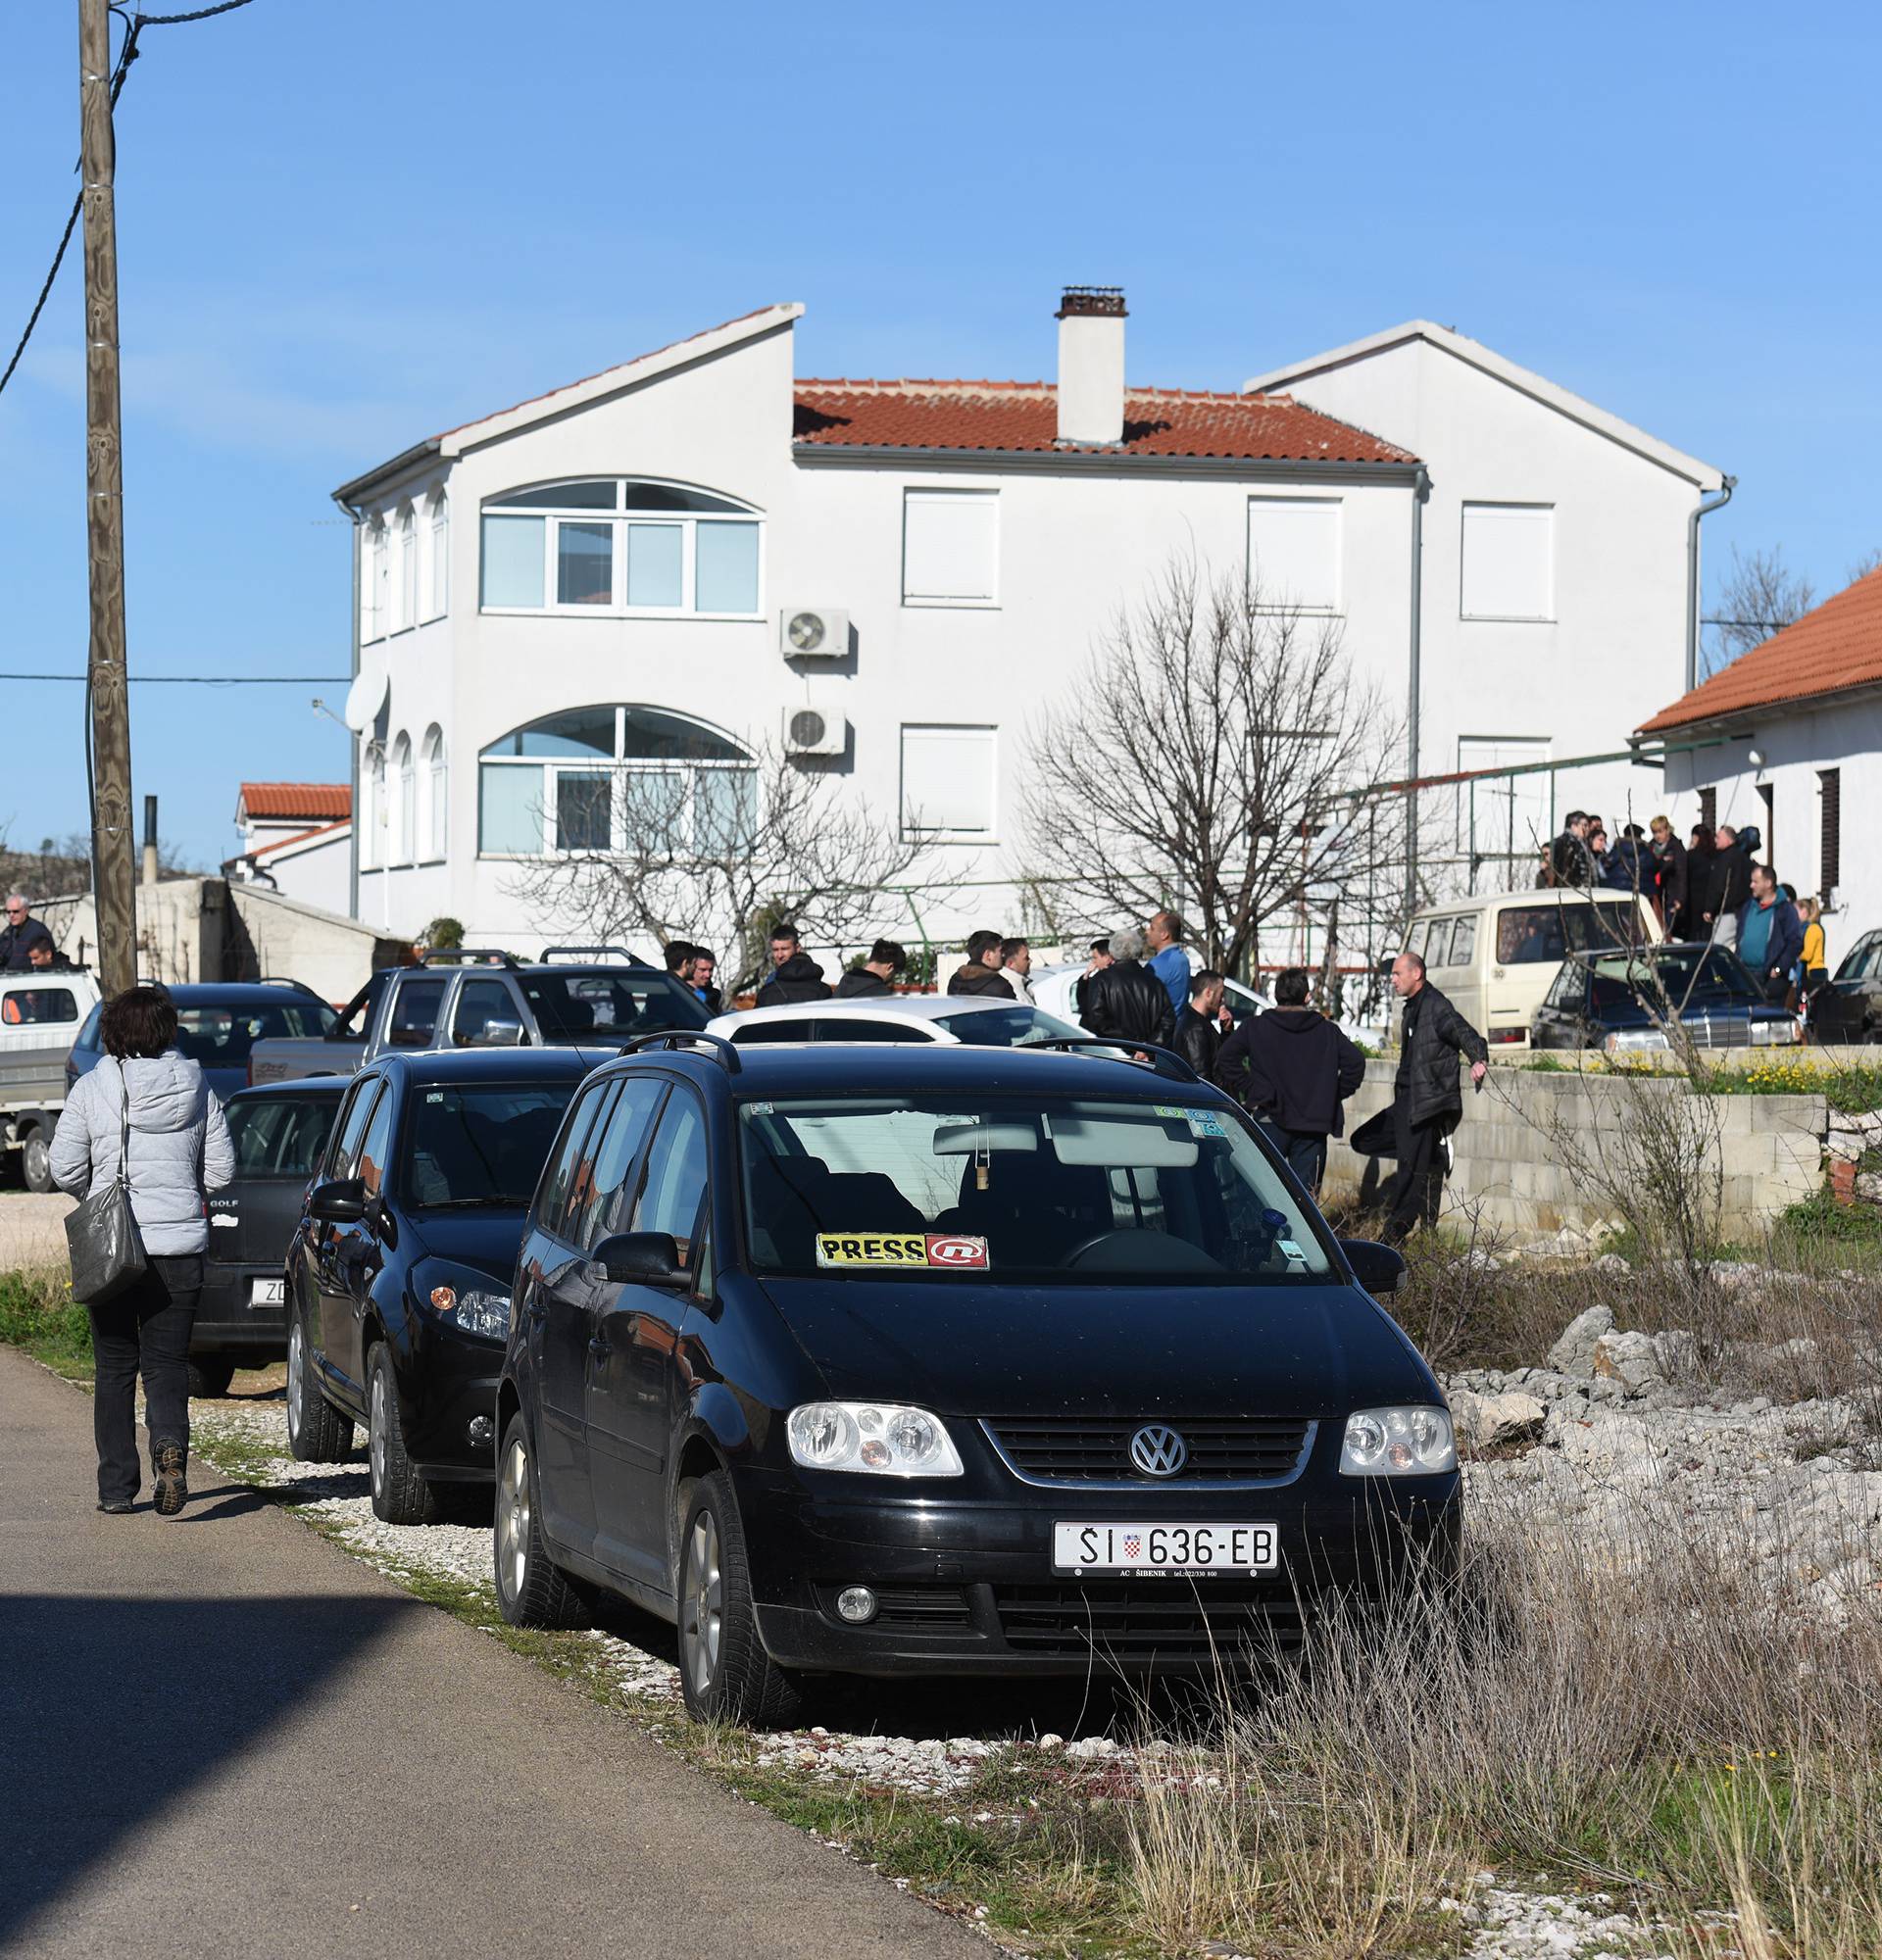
(1173, 1548)
(268, 1293)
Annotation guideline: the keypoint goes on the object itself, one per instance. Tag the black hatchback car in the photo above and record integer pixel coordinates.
(946, 1361)
(1849, 1008)
(399, 1275)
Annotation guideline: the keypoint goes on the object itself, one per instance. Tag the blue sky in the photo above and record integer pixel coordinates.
(347, 224)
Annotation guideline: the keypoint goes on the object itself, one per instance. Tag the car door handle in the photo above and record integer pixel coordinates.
(600, 1348)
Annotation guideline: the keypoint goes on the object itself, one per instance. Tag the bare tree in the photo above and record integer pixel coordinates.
(719, 856)
(1208, 759)
(1870, 561)
(1759, 595)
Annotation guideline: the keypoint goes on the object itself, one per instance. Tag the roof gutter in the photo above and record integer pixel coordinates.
(355, 516)
(872, 456)
(1704, 508)
(349, 494)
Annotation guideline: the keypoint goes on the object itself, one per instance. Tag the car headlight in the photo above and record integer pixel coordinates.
(470, 1302)
(1624, 1038)
(1773, 1034)
(885, 1438)
(1397, 1443)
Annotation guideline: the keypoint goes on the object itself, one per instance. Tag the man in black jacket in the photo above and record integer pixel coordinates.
(1291, 1069)
(795, 975)
(1427, 1103)
(1199, 1034)
(981, 974)
(875, 977)
(1128, 1002)
(21, 933)
(1731, 885)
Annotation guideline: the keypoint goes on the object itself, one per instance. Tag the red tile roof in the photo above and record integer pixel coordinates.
(298, 803)
(1836, 648)
(1025, 415)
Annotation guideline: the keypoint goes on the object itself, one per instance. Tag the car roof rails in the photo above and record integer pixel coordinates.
(716, 1047)
(287, 980)
(553, 952)
(470, 956)
(1178, 1071)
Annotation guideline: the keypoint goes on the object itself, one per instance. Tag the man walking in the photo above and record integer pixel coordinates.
(1428, 1102)
(1771, 935)
(1199, 1038)
(981, 974)
(795, 975)
(1015, 965)
(1163, 936)
(874, 979)
(1291, 1069)
(1126, 1002)
(20, 934)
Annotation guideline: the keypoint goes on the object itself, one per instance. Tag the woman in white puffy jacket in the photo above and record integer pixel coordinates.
(180, 1152)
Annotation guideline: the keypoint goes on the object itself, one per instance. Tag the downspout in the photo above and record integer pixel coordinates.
(1703, 508)
(353, 829)
(1420, 490)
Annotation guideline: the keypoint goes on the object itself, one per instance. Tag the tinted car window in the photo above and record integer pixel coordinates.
(1527, 935)
(675, 1186)
(481, 1144)
(478, 1004)
(552, 1199)
(1856, 966)
(376, 1151)
(1677, 979)
(281, 1136)
(415, 1013)
(613, 1158)
(221, 1036)
(756, 1033)
(576, 1007)
(1043, 1187)
(88, 1034)
(26, 1006)
(346, 1152)
(1008, 1027)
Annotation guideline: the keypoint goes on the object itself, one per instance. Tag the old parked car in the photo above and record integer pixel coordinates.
(466, 999)
(1632, 1002)
(40, 1015)
(399, 1275)
(217, 1023)
(1848, 1007)
(947, 1360)
(279, 1134)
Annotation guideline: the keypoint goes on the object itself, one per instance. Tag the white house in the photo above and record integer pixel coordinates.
(615, 577)
(1558, 597)
(297, 837)
(1789, 736)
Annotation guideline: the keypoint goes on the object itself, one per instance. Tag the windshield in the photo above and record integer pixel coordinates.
(1681, 977)
(1008, 1027)
(481, 1144)
(1043, 1189)
(222, 1036)
(611, 1007)
(281, 1136)
(1527, 935)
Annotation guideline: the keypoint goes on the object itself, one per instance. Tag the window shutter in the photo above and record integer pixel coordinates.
(950, 546)
(947, 780)
(1709, 807)
(1830, 839)
(1294, 552)
(1508, 561)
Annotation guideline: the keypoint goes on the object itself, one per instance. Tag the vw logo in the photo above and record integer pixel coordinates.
(1159, 1451)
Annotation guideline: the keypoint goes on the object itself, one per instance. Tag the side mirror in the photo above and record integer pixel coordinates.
(498, 1034)
(642, 1258)
(1379, 1269)
(340, 1202)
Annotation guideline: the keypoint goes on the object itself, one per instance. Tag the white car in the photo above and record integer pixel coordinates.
(973, 1019)
(1055, 989)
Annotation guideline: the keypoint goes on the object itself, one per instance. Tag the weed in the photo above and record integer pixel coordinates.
(38, 1314)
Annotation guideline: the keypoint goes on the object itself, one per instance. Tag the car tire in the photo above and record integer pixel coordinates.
(316, 1432)
(35, 1161)
(724, 1672)
(209, 1376)
(400, 1495)
(532, 1590)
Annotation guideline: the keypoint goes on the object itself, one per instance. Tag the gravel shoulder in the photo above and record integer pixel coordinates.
(33, 1229)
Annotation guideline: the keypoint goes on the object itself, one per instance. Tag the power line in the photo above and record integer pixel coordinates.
(206, 680)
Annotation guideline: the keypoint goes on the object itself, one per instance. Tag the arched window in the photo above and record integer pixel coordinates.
(437, 805)
(403, 845)
(373, 850)
(373, 622)
(408, 569)
(620, 778)
(623, 546)
(440, 555)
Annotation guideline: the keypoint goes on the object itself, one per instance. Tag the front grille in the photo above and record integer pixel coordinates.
(1724, 1031)
(1084, 1450)
(1149, 1619)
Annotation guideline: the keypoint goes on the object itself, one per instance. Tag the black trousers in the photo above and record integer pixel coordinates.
(1419, 1188)
(145, 1328)
(1304, 1150)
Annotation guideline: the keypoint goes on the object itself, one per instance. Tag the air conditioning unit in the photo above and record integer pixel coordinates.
(811, 731)
(813, 633)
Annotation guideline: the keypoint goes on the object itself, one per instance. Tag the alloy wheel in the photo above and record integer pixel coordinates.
(513, 1520)
(296, 1381)
(703, 1604)
(375, 1433)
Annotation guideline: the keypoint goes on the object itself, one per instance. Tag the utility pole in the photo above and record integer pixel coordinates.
(112, 837)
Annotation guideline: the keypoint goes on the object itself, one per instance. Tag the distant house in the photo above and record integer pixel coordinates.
(297, 837)
(1788, 737)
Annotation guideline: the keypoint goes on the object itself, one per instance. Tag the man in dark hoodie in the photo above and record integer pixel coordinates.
(795, 975)
(981, 974)
(875, 977)
(1291, 1069)
(1128, 1002)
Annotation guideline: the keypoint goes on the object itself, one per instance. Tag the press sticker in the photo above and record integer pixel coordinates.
(1290, 1250)
(436, 1096)
(759, 1108)
(1205, 1123)
(888, 1251)
(1167, 1109)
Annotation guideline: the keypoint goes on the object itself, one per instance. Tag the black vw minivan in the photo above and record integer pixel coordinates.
(953, 1361)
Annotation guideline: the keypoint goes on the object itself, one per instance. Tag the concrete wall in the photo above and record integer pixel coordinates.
(1510, 1169)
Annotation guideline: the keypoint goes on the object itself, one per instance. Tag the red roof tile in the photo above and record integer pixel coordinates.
(1025, 415)
(298, 803)
(1837, 646)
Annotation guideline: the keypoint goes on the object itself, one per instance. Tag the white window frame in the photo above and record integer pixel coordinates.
(373, 581)
(436, 815)
(1285, 603)
(439, 589)
(937, 493)
(401, 819)
(407, 585)
(623, 515)
(372, 852)
(962, 730)
(1546, 617)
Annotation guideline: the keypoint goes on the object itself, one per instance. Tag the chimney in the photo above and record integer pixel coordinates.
(150, 840)
(1091, 364)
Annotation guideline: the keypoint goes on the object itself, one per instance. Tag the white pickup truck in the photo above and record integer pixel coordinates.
(40, 1014)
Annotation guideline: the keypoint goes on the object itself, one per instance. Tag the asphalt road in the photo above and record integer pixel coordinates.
(219, 1734)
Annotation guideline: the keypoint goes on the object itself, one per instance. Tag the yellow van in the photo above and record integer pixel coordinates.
(1495, 957)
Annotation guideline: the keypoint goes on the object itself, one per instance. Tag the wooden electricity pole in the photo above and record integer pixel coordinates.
(112, 839)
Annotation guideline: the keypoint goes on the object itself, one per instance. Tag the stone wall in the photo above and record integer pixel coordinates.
(1510, 1170)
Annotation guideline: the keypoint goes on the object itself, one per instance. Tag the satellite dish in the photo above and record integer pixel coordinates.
(367, 696)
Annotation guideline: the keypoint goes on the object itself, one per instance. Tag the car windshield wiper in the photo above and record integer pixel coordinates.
(493, 1202)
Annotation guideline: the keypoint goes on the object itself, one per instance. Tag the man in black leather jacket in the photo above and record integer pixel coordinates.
(1128, 1002)
(1199, 1033)
(1428, 1102)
